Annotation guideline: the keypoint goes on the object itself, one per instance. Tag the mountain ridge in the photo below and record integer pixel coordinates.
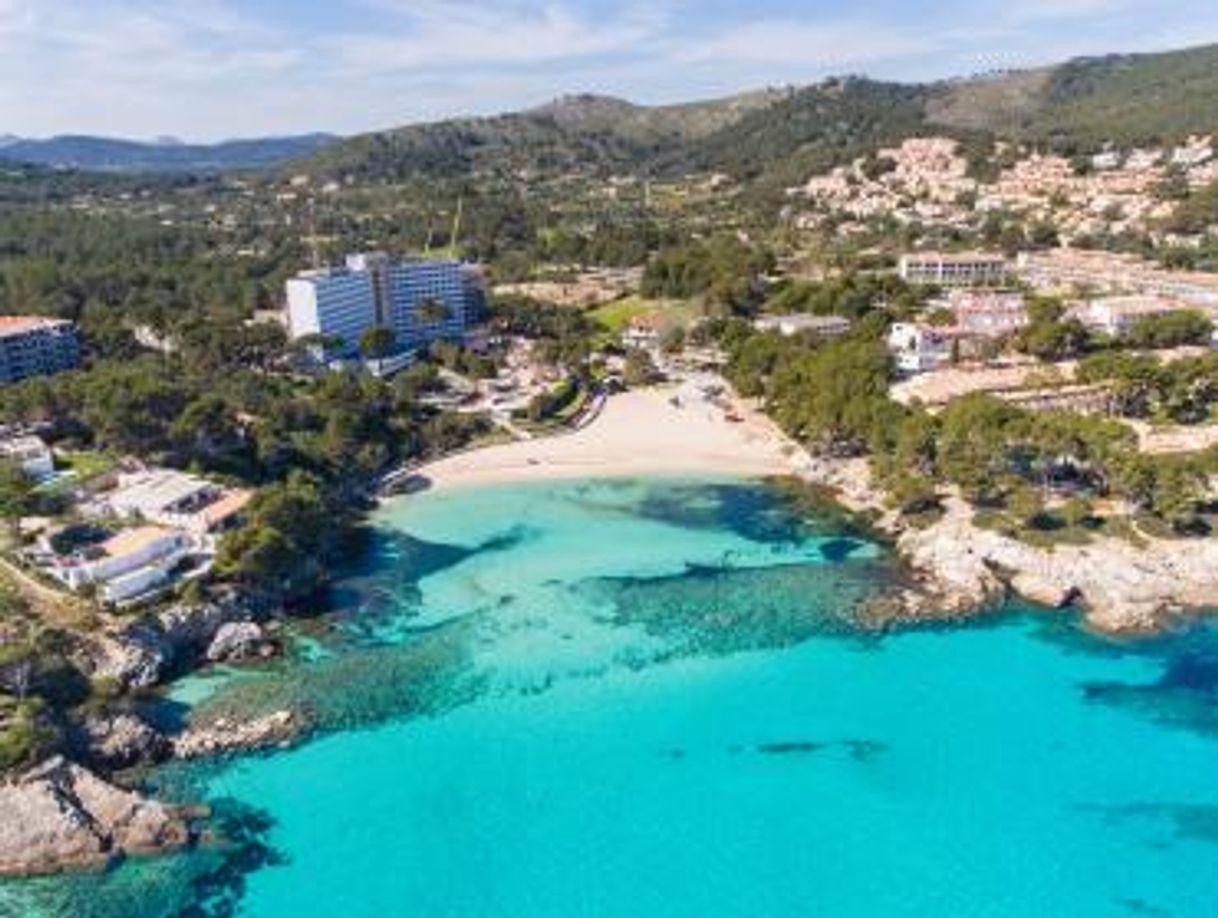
(1076, 106)
(111, 154)
(1081, 104)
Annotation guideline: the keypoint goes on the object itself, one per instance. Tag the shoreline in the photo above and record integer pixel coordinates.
(956, 568)
(951, 570)
(669, 430)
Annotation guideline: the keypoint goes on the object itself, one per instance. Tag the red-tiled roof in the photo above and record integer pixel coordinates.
(226, 507)
(19, 325)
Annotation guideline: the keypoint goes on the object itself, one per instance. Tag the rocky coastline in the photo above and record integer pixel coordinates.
(60, 817)
(63, 815)
(959, 569)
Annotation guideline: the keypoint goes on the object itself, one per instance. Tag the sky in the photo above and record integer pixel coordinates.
(212, 69)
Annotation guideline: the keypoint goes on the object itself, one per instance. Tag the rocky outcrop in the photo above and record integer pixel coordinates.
(134, 659)
(958, 568)
(144, 653)
(1124, 588)
(120, 741)
(60, 816)
(223, 736)
(237, 641)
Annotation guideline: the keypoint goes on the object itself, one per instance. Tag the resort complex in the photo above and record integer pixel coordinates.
(130, 541)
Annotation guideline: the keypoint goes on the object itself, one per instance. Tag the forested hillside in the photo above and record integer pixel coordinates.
(1122, 99)
(783, 135)
(585, 133)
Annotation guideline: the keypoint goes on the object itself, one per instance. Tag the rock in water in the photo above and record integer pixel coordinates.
(238, 641)
(223, 736)
(60, 817)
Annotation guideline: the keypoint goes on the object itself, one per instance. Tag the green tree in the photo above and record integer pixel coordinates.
(377, 342)
(17, 492)
(431, 311)
(640, 370)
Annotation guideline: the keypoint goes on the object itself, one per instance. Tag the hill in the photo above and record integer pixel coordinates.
(773, 134)
(102, 154)
(782, 134)
(812, 128)
(1124, 99)
(583, 132)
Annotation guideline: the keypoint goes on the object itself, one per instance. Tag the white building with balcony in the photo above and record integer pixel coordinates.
(918, 348)
(125, 566)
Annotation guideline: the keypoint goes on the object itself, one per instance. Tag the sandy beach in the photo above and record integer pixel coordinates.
(668, 430)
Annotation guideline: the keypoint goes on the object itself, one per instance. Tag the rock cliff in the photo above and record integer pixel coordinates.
(146, 652)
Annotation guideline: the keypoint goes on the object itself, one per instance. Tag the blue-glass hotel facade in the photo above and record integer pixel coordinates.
(419, 301)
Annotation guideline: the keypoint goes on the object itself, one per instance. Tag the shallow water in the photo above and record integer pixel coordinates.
(648, 698)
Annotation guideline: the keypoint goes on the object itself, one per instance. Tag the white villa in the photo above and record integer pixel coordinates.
(125, 566)
(178, 500)
(1116, 315)
(788, 326)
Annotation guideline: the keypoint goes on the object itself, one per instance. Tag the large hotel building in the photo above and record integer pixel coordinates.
(419, 301)
(36, 346)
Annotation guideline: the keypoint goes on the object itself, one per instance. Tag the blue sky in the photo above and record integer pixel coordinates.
(207, 69)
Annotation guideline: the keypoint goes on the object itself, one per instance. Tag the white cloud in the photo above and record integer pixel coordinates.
(469, 34)
(209, 68)
(814, 45)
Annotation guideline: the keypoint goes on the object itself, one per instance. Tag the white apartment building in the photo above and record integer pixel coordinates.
(178, 500)
(957, 269)
(1116, 315)
(1116, 273)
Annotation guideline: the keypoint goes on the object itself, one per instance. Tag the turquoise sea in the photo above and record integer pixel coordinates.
(651, 698)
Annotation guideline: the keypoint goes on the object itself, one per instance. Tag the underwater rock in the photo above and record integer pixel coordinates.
(223, 736)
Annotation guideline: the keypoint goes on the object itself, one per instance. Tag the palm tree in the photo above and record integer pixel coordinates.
(431, 311)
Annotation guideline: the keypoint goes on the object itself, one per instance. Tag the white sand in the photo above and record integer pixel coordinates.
(637, 433)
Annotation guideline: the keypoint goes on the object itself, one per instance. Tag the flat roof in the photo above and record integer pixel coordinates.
(954, 257)
(226, 507)
(158, 490)
(22, 444)
(801, 319)
(132, 540)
